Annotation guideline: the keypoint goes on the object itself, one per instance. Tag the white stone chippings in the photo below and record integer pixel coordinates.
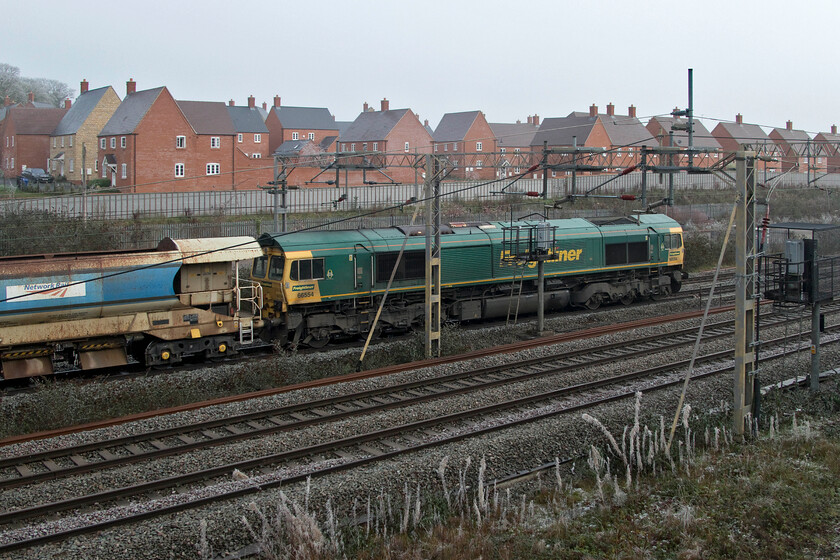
(506, 450)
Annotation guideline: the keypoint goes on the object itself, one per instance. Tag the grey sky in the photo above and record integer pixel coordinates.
(769, 60)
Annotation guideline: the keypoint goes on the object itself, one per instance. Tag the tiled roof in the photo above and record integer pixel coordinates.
(80, 111)
(743, 131)
(311, 118)
(130, 112)
(246, 119)
(453, 127)
(513, 135)
(373, 125)
(291, 147)
(208, 117)
(34, 121)
(621, 129)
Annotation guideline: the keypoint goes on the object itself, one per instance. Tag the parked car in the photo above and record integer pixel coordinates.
(34, 175)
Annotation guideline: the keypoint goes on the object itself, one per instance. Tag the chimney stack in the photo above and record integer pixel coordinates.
(277, 101)
(231, 103)
(833, 127)
(610, 110)
(739, 119)
(365, 107)
(252, 102)
(83, 86)
(530, 119)
(536, 120)
(593, 110)
(265, 106)
(385, 104)
(31, 97)
(631, 111)
(789, 125)
(67, 103)
(426, 123)
(130, 86)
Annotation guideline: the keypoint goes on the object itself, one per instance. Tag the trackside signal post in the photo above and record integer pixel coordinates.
(531, 244)
(745, 290)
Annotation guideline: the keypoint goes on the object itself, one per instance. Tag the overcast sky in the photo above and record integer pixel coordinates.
(770, 60)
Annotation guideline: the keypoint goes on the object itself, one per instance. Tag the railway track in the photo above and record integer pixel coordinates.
(364, 448)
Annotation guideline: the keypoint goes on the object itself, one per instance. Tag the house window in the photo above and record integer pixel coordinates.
(72, 164)
(104, 169)
(215, 142)
(180, 141)
(70, 139)
(478, 164)
(256, 156)
(179, 169)
(516, 150)
(446, 147)
(101, 144)
(257, 138)
(212, 168)
(96, 166)
(503, 150)
(353, 147)
(62, 141)
(122, 142)
(13, 163)
(436, 147)
(311, 136)
(343, 147)
(239, 138)
(124, 171)
(375, 146)
(455, 146)
(55, 142)
(478, 146)
(295, 135)
(406, 146)
(364, 147)
(113, 142)
(13, 141)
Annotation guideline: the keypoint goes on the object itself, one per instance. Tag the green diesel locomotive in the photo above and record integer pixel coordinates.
(320, 285)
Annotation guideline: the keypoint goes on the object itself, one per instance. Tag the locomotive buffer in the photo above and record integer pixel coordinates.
(528, 245)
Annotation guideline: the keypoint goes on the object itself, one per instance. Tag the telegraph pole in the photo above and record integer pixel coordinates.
(745, 278)
(432, 256)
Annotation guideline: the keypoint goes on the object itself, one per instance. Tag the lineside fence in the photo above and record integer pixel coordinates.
(117, 206)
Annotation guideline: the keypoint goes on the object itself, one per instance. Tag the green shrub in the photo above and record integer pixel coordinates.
(99, 183)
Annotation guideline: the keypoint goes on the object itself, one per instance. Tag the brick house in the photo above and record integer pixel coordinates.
(660, 129)
(514, 140)
(730, 136)
(463, 133)
(251, 148)
(395, 131)
(621, 136)
(79, 128)
(300, 123)
(829, 144)
(25, 136)
(794, 149)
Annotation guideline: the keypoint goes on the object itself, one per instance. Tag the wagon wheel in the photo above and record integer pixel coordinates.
(664, 292)
(593, 302)
(318, 338)
(627, 298)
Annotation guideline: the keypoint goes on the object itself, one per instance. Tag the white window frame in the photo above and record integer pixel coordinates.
(62, 141)
(407, 146)
(311, 136)
(102, 143)
(13, 163)
(13, 141)
(113, 142)
(256, 155)
(72, 165)
(376, 146)
(96, 166)
(503, 150)
(257, 138)
(180, 142)
(124, 171)
(455, 146)
(215, 142)
(478, 146)
(55, 142)
(213, 169)
(70, 139)
(179, 170)
(239, 137)
(295, 136)
(352, 146)
(122, 142)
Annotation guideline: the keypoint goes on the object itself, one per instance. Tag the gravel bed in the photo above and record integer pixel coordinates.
(505, 451)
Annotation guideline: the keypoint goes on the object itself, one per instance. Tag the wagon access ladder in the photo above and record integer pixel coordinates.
(521, 271)
(248, 292)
